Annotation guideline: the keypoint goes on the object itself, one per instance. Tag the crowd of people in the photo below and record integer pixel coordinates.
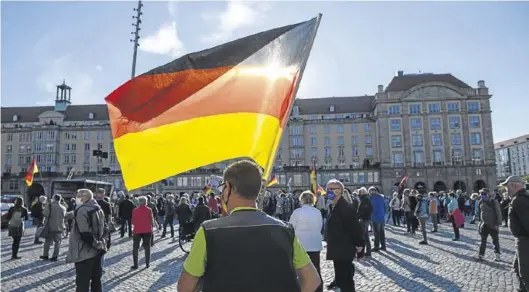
(288, 234)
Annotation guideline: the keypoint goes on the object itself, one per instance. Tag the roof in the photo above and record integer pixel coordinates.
(511, 142)
(407, 81)
(73, 113)
(349, 104)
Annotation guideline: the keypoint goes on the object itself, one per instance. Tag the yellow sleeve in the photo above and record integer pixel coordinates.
(195, 264)
(301, 258)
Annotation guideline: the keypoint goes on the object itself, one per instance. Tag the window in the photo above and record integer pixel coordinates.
(397, 159)
(456, 139)
(339, 116)
(435, 124)
(296, 141)
(434, 108)
(354, 140)
(327, 141)
(313, 130)
(474, 122)
(437, 140)
(339, 129)
(313, 141)
(51, 135)
(416, 140)
(296, 152)
(9, 148)
(369, 139)
(394, 110)
(475, 138)
(437, 156)
(314, 117)
(40, 136)
(340, 140)
(416, 123)
(369, 151)
(8, 160)
(414, 108)
(477, 154)
(296, 130)
(355, 151)
(396, 141)
(418, 157)
(368, 128)
(314, 152)
(295, 110)
(100, 136)
(341, 152)
(457, 155)
(452, 107)
(86, 135)
(327, 152)
(111, 146)
(395, 125)
(13, 185)
(297, 179)
(473, 107)
(344, 177)
(354, 128)
(327, 129)
(9, 137)
(455, 122)
(86, 159)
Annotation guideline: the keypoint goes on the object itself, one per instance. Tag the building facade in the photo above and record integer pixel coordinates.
(512, 157)
(433, 128)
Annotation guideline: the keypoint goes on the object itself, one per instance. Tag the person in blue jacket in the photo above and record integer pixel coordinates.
(377, 218)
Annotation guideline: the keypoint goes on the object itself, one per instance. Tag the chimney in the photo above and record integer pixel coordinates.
(400, 73)
(380, 88)
(481, 84)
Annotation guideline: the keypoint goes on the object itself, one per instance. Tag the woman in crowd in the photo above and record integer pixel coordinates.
(143, 221)
(504, 204)
(16, 216)
(307, 223)
(183, 213)
(394, 205)
(452, 208)
(201, 213)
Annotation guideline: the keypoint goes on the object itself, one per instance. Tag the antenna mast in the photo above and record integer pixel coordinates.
(136, 34)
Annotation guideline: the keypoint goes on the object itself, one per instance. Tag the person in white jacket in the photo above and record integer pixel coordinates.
(308, 223)
(395, 207)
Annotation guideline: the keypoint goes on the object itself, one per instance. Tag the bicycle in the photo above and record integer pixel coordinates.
(186, 234)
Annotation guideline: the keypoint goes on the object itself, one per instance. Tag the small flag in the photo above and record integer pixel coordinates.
(313, 180)
(321, 190)
(33, 168)
(272, 182)
(246, 86)
(403, 182)
(207, 190)
(70, 175)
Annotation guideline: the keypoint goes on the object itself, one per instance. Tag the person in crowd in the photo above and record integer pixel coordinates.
(406, 208)
(378, 218)
(213, 206)
(519, 226)
(287, 207)
(125, 214)
(475, 207)
(413, 206)
(365, 211)
(170, 213)
(16, 216)
(433, 208)
(451, 208)
(87, 242)
(505, 204)
(100, 195)
(279, 207)
(269, 204)
(281, 256)
(320, 205)
(201, 213)
(422, 211)
(394, 206)
(344, 234)
(160, 205)
(151, 203)
(184, 214)
(490, 221)
(54, 221)
(308, 223)
(37, 215)
(143, 221)
(460, 197)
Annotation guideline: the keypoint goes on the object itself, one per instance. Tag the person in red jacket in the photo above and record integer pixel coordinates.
(143, 222)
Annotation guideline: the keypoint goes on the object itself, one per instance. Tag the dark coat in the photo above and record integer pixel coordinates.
(184, 213)
(200, 214)
(125, 209)
(343, 232)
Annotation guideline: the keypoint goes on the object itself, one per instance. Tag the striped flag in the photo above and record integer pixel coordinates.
(33, 168)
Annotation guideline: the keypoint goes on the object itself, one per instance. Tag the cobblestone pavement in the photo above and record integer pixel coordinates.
(442, 265)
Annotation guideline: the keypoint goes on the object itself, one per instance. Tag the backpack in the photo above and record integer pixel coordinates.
(16, 220)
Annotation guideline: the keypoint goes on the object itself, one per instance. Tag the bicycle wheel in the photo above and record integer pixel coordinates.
(185, 242)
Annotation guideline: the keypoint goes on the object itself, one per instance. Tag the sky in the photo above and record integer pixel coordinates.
(359, 46)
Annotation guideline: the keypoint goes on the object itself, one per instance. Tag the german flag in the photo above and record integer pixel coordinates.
(313, 180)
(242, 90)
(33, 168)
(272, 182)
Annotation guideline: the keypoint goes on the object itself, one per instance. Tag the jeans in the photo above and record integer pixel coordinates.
(435, 221)
(521, 263)
(380, 235)
(315, 259)
(56, 239)
(145, 238)
(124, 223)
(365, 226)
(168, 221)
(396, 217)
(15, 246)
(422, 221)
(344, 271)
(485, 232)
(88, 275)
(407, 216)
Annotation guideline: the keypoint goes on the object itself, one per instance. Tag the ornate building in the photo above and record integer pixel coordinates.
(433, 128)
(512, 157)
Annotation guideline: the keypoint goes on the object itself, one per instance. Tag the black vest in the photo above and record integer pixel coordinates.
(249, 251)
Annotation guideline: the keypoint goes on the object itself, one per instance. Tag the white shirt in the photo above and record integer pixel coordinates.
(307, 223)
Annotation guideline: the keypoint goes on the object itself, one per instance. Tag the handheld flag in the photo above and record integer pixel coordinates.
(272, 182)
(33, 168)
(246, 86)
(313, 180)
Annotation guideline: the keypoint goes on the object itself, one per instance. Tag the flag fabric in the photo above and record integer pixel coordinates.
(33, 168)
(243, 89)
(314, 181)
(272, 182)
(206, 190)
(403, 182)
(321, 190)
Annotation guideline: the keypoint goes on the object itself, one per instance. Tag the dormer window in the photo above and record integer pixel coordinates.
(90, 116)
(15, 118)
(295, 110)
(331, 108)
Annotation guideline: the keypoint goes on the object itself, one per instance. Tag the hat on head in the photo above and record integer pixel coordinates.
(513, 179)
(484, 190)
